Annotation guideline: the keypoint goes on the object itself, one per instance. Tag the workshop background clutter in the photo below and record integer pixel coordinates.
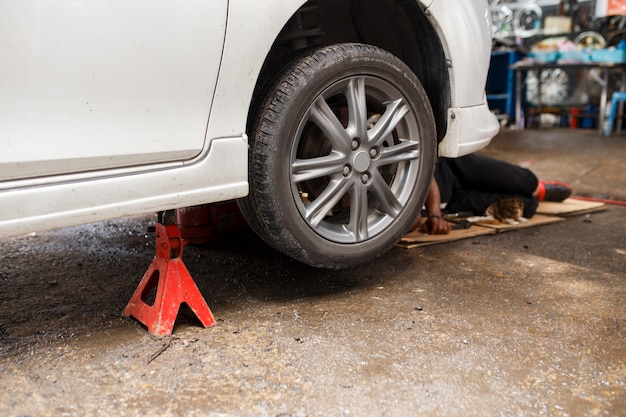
(571, 56)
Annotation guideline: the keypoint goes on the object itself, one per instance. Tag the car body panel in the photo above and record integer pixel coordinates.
(107, 84)
(215, 171)
(169, 129)
(471, 124)
(243, 58)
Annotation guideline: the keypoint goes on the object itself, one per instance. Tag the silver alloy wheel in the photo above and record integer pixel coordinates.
(356, 154)
(342, 153)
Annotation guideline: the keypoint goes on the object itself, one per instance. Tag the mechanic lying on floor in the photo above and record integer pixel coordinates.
(473, 183)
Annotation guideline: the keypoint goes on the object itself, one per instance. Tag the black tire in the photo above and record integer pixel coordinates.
(342, 152)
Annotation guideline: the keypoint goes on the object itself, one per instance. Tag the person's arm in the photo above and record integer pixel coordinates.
(435, 224)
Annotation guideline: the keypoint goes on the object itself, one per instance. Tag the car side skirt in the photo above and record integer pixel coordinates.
(221, 175)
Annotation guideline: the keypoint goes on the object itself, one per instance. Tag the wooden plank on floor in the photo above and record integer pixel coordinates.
(536, 220)
(416, 239)
(547, 213)
(570, 207)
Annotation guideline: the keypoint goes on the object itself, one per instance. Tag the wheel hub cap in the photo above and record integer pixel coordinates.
(361, 161)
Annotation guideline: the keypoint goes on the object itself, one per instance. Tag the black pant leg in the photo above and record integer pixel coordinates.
(485, 174)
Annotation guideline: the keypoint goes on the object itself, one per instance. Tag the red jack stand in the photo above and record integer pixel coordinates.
(174, 285)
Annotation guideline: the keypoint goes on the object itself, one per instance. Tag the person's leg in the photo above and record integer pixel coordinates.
(552, 191)
(446, 180)
(479, 181)
(489, 175)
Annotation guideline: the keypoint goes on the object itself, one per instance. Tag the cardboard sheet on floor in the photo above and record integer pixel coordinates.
(570, 207)
(547, 213)
(536, 220)
(416, 238)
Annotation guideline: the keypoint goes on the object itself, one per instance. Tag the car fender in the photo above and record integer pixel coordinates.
(471, 125)
(243, 58)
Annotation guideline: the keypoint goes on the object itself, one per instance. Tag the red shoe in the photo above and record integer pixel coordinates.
(554, 191)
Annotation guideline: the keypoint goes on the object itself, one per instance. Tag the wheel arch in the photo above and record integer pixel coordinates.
(399, 26)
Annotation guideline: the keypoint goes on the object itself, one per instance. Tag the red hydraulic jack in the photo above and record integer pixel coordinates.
(174, 285)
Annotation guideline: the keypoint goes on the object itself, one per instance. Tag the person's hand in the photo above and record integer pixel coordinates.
(435, 225)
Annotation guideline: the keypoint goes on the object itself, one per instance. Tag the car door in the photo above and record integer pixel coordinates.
(88, 85)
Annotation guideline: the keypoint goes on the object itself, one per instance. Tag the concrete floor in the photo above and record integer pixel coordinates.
(523, 323)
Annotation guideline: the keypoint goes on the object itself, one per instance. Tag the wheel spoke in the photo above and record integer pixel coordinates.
(359, 211)
(404, 151)
(323, 116)
(357, 107)
(317, 210)
(388, 202)
(394, 113)
(312, 168)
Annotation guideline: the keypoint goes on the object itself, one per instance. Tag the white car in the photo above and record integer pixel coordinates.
(325, 117)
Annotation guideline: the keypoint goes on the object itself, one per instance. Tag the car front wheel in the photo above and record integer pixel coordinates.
(342, 151)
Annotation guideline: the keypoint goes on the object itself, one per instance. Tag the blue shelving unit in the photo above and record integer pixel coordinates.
(501, 84)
